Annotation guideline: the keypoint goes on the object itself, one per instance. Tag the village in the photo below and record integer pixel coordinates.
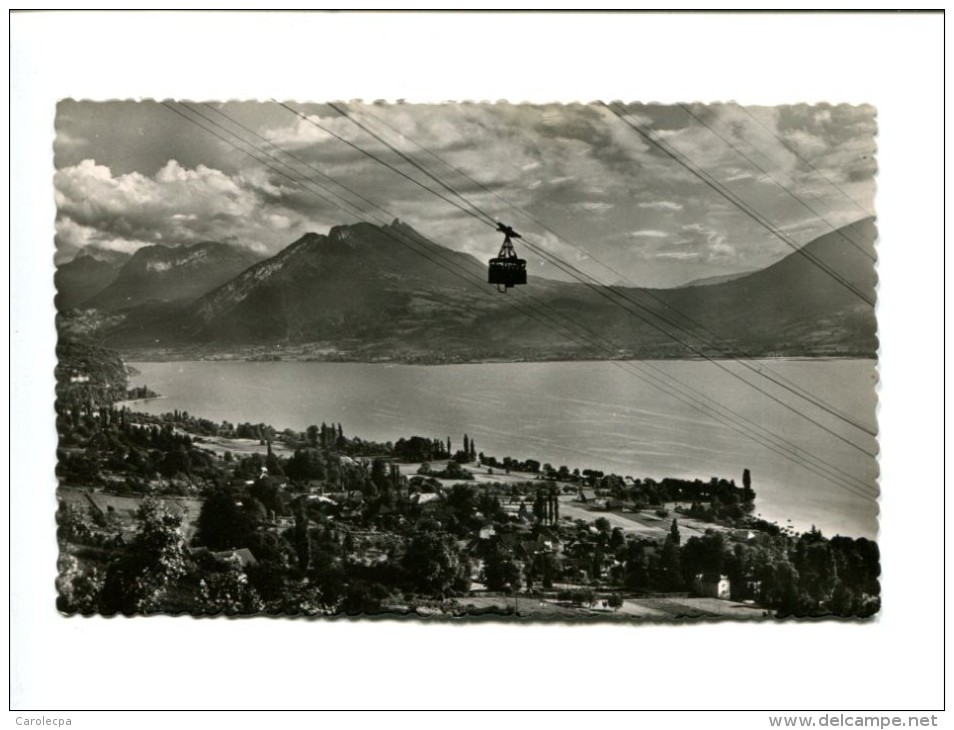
(321, 523)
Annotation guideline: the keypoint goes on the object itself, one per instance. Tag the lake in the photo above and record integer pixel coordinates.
(610, 416)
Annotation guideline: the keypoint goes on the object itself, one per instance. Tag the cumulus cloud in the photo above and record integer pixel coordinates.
(580, 169)
(176, 205)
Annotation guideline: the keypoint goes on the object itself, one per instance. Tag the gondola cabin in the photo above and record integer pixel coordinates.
(506, 270)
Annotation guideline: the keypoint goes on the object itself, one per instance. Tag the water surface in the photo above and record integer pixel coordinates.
(645, 419)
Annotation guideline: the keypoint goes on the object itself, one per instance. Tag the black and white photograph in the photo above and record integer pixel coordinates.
(563, 361)
(476, 360)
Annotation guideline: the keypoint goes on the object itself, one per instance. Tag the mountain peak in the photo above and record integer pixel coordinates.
(173, 273)
(386, 291)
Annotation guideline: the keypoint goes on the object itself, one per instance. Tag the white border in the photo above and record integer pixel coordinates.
(892, 61)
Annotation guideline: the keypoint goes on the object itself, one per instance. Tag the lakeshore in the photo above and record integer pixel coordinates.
(590, 415)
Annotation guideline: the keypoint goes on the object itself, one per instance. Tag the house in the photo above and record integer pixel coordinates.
(586, 496)
(421, 499)
(487, 532)
(242, 556)
(216, 560)
(712, 586)
(320, 499)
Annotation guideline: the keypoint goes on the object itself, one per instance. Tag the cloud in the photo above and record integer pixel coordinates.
(661, 205)
(648, 233)
(577, 168)
(718, 248)
(593, 206)
(678, 255)
(176, 205)
(66, 139)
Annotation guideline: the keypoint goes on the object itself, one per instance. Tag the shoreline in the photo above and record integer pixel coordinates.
(136, 358)
(128, 401)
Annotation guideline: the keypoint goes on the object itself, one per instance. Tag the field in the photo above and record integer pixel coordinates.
(651, 609)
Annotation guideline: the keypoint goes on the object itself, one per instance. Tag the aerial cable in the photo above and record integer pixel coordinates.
(479, 284)
(602, 291)
(480, 214)
(558, 262)
(791, 194)
(579, 275)
(378, 159)
(300, 161)
(808, 162)
(249, 154)
(738, 202)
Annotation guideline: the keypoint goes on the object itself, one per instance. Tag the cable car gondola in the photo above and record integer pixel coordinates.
(507, 270)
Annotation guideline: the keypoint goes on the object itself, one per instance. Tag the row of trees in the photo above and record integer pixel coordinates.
(108, 443)
(804, 575)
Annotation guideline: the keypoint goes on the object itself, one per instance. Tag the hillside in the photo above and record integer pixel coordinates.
(172, 274)
(794, 307)
(366, 292)
(83, 277)
(86, 274)
(88, 375)
(360, 287)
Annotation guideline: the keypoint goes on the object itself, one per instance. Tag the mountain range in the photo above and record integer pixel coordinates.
(171, 274)
(369, 292)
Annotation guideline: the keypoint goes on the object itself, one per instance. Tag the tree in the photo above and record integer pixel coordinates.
(379, 474)
(222, 523)
(268, 491)
(539, 506)
(615, 601)
(462, 499)
(228, 592)
(139, 581)
(312, 434)
(79, 590)
(341, 442)
(305, 464)
(466, 448)
(273, 464)
(748, 494)
(74, 524)
(302, 538)
(637, 573)
(433, 563)
(670, 568)
(501, 571)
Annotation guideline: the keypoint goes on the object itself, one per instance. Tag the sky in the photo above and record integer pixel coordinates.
(601, 190)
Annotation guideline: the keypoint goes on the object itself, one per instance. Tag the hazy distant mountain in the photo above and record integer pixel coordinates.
(79, 279)
(718, 279)
(167, 274)
(795, 306)
(110, 256)
(370, 292)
